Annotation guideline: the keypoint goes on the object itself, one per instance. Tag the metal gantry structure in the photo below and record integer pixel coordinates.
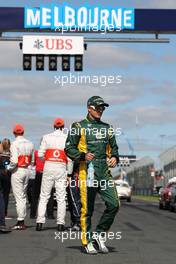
(155, 22)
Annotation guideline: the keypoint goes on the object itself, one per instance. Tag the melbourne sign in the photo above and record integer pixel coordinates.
(89, 18)
(48, 18)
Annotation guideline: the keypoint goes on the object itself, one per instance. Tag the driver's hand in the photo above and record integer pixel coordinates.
(89, 156)
(112, 162)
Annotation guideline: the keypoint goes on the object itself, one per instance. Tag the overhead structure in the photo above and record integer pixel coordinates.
(65, 19)
(144, 21)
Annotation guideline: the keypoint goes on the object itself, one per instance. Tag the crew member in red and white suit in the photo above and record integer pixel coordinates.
(56, 167)
(21, 157)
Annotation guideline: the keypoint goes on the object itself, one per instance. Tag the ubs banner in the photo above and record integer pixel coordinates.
(39, 44)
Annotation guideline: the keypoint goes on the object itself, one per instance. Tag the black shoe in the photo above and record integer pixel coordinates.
(39, 227)
(19, 226)
(5, 229)
(61, 228)
(51, 217)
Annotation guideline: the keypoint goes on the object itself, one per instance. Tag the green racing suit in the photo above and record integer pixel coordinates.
(98, 138)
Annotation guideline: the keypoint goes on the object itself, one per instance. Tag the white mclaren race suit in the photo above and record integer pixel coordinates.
(22, 156)
(54, 174)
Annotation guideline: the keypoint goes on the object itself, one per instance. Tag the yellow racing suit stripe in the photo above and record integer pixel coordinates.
(83, 190)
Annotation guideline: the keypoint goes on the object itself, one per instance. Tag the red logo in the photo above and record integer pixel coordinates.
(58, 44)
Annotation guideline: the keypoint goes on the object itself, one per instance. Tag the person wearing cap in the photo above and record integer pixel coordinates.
(92, 143)
(21, 158)
(54, 173)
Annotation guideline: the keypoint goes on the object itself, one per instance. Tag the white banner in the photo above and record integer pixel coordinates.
(58, 45)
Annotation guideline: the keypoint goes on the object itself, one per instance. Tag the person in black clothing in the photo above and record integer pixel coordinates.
(35, 194)
(73, 195)
(5, 176)
(3, 228)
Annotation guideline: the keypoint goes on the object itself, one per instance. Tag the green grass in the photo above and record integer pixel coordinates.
(146, 198)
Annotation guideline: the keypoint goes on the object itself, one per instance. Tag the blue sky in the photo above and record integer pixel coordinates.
(127, 3)
(147, 90)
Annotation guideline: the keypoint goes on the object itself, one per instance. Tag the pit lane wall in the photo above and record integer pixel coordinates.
(168, 163)
(139, 176)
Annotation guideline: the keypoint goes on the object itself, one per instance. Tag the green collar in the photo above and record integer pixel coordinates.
(93, 121)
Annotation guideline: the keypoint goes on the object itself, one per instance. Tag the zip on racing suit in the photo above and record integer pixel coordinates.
(54, 173)
(95, 137)
(22, 156)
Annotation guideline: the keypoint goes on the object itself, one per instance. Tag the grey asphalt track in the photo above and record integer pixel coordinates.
(148, 237)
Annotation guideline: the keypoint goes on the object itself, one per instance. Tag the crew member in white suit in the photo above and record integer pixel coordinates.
(56, 167)
(21, 158)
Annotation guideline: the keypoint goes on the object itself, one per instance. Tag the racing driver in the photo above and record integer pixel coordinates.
(92, 143)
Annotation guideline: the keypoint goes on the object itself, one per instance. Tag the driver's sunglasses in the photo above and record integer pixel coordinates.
(98, 108)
